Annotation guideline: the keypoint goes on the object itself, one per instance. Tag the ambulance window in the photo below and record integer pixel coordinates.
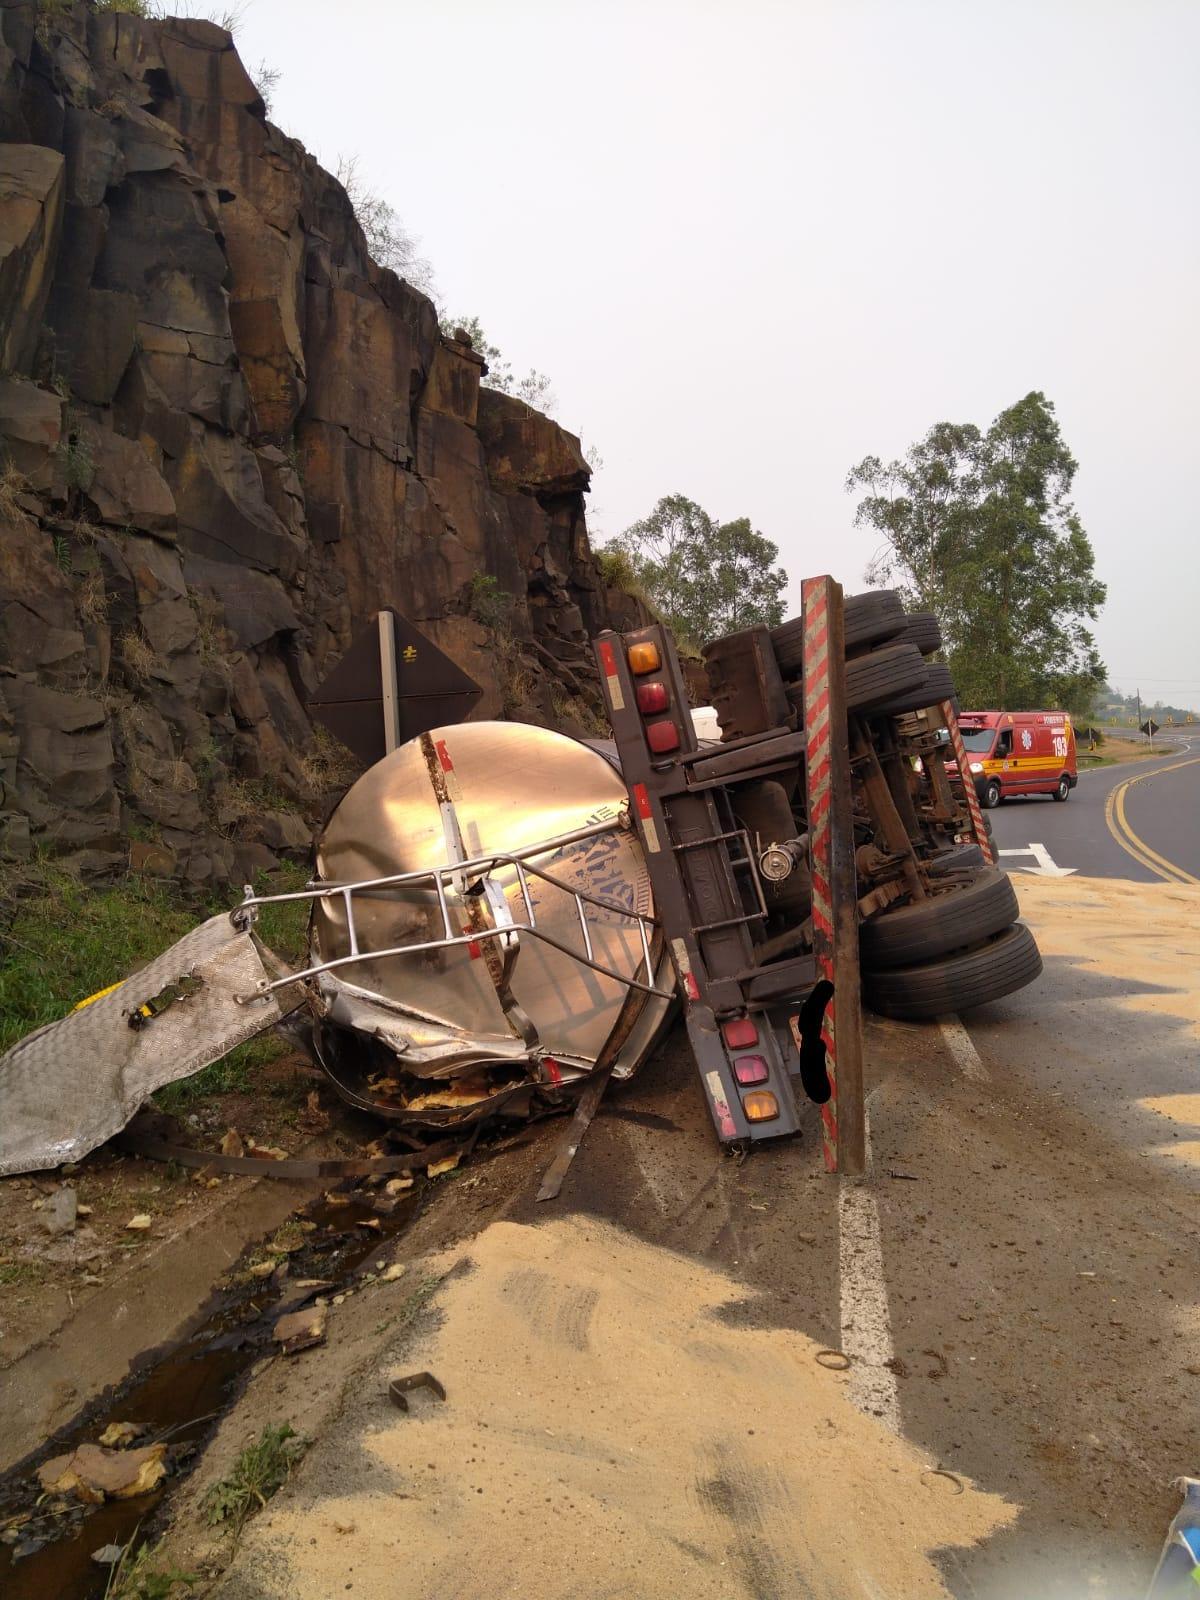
(978, 739)
(1004, 743)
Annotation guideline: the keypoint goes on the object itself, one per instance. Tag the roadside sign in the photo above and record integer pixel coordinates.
(391, 685)
(1149, 728)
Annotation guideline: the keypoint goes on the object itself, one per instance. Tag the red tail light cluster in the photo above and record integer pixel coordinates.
(741, 1033)
(653, 699)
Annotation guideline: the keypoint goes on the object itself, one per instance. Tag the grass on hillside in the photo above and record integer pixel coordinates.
(61, 941)
(1115, 751)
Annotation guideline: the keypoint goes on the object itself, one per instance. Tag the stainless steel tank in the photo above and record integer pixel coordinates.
(494, 864)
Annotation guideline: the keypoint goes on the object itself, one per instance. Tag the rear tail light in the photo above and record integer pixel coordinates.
(652, 697)
(750, 1070)
(739, 1034)
(644, 658)
(760, 1106)
(662, 737)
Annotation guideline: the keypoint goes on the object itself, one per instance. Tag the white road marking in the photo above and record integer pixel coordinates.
(866, 1324)
(966, 1057)
(1045, 863)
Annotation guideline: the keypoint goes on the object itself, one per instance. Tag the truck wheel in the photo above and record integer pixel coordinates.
(890, 672)
(1063, 792)
(959, 858)
(991, 794)
(904, 936)
(923, 629)
(869, 619)
(938, 686)
(971, 978)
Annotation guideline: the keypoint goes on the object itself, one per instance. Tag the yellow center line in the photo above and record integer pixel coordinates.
(1122, 830)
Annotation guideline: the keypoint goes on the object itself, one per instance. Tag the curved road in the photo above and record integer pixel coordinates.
(1138, 820)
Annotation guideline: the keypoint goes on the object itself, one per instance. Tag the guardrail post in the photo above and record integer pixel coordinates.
(964, 772)
(831, 860)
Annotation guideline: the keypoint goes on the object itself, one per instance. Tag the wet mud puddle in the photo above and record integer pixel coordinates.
(176, 1398)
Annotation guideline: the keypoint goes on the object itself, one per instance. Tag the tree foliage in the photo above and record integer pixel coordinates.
(388, 240)
(979, 527)
(705, 578)
(534, 388)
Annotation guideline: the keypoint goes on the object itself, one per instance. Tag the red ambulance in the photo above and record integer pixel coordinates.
(1019, 752)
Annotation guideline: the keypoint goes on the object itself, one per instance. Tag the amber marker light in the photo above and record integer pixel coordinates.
(760, 1105)
(644, 658)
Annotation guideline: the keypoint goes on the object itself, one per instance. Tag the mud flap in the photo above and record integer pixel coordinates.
(75, 1083)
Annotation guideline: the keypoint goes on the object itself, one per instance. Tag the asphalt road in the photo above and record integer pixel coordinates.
(1138, 820)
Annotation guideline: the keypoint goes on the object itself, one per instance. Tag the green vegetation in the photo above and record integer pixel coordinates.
(703, 578)
(616, 568)
(389, 242)
(259, 1472)
(534, 388)
(62, 940)
(979, 527)
(489, 604)
(75, 453)
(492, 607)
(12, 484)
(139, 1575)
(1129, 711)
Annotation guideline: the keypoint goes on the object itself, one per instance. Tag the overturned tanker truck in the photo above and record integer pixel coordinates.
(503, 918)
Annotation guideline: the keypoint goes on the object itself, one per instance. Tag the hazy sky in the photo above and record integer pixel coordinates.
(752, 242)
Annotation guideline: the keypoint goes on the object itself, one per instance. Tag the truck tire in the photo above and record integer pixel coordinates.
(891, 672)
(937, 686)
(958, 982)
(905, 936)
(959, 858)
(1063, 792)
(870, 619)
(923, 629)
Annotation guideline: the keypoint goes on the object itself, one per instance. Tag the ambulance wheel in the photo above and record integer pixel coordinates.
(1063, 792)
(869, 619)
(959, 982)
(922, 629)
(991, 795)
(926, 929)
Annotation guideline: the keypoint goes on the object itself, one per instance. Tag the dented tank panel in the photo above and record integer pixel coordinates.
(465, 792)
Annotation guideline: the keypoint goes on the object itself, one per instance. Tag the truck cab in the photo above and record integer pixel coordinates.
(1019, 753)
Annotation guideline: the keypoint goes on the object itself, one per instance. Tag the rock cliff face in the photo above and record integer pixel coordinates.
(227, 437)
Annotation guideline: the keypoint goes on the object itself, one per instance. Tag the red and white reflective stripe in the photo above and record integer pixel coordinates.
(645, 816)
(683, 966)
(453, 787)
(612, 679)
(720, 1105)
(968, 783)
(819, 781)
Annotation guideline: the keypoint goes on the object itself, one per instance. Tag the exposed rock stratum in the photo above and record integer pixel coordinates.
(228, 436)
